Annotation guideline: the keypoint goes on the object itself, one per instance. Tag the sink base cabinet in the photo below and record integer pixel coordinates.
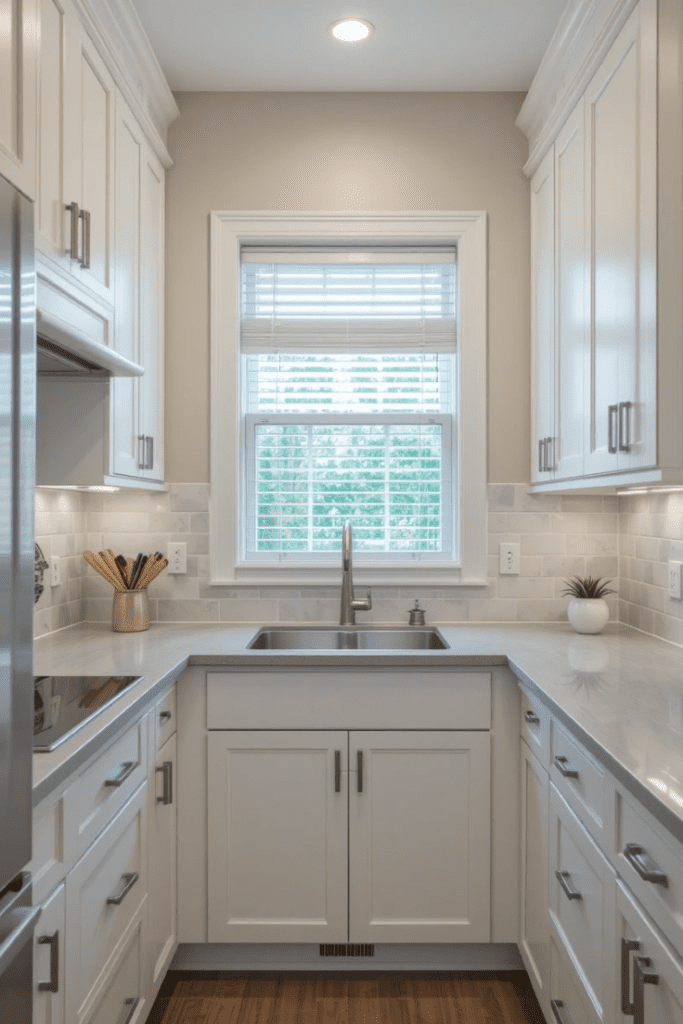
(358, 837)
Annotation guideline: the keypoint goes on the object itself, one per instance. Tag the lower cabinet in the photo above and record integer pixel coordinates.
(163, 866)
(534, 925)
(651, 975)
(48, 960)
(122, 998)
(335, 836)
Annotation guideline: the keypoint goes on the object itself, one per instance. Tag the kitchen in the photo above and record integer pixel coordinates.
(244, 150)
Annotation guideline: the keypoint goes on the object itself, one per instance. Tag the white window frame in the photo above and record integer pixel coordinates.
(230, 230)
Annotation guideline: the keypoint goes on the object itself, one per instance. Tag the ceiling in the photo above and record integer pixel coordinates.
(284, 45)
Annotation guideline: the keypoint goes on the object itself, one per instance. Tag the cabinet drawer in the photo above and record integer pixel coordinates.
(51, 860)
(579, 779)
(104, 892)
(569, 1003)
(120, 999)
(349, 699)
(99, 792)
(643, 846)
(165, 719)
(48, 961)
(581, 900)
(535, 727)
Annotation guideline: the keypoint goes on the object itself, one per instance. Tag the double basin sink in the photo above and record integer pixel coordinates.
(348, 639)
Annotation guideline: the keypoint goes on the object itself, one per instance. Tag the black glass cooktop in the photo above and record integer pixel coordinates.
(64, 704)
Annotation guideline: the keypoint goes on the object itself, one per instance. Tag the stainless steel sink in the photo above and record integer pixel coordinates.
(317, 638)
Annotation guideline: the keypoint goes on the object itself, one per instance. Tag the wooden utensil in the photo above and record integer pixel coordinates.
(156, 564)
(103, 569)
(142, 562)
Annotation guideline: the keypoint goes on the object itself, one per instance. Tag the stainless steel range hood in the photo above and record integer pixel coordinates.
(65, 352)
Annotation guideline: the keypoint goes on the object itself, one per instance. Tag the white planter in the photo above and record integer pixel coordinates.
(588, 614)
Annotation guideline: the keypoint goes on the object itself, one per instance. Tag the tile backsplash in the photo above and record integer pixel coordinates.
(628, 539)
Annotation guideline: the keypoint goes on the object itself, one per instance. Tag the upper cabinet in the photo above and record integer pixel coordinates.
(610, 413)
(18, 68)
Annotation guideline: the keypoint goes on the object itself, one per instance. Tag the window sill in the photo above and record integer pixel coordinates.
(363, 576)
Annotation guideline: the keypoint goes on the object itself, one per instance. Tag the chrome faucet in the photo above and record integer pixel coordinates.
(349, 604)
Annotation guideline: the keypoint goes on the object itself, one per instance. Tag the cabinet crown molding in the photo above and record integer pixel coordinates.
(116, 30)
(583, 36)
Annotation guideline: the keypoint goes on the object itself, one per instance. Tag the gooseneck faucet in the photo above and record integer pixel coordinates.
(349, 604)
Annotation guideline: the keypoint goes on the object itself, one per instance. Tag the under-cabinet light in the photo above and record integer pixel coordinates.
(649, 490)
(351, 30)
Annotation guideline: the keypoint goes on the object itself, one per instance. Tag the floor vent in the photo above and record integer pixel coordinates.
(346, 949)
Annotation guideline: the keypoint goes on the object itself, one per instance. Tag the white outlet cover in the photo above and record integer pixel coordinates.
(675, 581)
(55, 571)
(177, 557)
(509, 559)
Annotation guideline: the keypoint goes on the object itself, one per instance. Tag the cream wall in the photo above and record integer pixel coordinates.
(346, 151)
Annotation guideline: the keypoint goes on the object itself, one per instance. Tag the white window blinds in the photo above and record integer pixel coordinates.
(375, 300)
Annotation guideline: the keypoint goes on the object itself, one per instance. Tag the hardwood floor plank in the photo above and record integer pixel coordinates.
(332, 1001)
(424, 1001)
(258, 1001)
(296, 1001)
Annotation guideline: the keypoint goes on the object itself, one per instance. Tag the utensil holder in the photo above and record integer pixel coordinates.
(131, 611)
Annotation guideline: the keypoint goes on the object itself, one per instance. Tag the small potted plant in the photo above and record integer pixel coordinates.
(588, 612)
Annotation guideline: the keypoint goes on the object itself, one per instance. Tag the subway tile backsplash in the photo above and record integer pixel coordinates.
(629, 540)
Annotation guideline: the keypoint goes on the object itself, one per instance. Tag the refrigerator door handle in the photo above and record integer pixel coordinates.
(26, 919)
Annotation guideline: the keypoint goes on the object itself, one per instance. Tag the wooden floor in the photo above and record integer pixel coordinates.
(444, 998)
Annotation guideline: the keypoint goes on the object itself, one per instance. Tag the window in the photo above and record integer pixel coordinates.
(345, 364)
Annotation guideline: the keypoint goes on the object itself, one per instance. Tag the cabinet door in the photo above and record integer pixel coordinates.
(571, 283)
(543, 321)
(277, 837)
(151, 286)
(621, 185)
(162, 864)
(48, 961)
(89, 158)
(533, 883)
(419, 837)
(128, 455)
(651, 974)
(18, 57)
(52, 221)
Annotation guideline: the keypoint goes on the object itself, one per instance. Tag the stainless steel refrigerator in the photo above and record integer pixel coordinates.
(17, 475)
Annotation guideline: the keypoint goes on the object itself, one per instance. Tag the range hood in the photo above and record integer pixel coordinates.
(64, 352)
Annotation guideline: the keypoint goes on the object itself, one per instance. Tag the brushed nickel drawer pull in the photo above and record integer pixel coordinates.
(612, 428)
(133, 1003)
(625, 426)
(627, 946)
(641, 978)
(167, 769)
(531, 718)
(165, 716)
(647, 868)
(85, 216)
(337, 771)
(556, 1006)
(125, 772)
(130, 880)
(541, 456)
(569, 891)
(564, 767)
(53, 942)
(359, 771)
(73, 223)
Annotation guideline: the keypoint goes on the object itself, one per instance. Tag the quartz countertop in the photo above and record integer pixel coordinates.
(620, 692)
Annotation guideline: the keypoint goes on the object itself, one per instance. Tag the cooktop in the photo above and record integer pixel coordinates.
(64, 704)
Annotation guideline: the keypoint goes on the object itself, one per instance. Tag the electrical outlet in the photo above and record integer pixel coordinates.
(177, 557)
(675, 580)
(509, 559)
(55, 571)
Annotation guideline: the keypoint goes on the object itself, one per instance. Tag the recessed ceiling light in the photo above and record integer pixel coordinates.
(351, 30)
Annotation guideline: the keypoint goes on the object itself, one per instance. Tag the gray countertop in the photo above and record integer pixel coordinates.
(621, 692)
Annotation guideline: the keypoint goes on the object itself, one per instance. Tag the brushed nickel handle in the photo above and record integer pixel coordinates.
(641, 978)
(549, 454)
(359, 771)
(167, 769)
(141, 452)
(125, 772)
(133, 1003)
(53, 942)
(337, 771)
(564, 767)
(648, 869)
(570, 892)
(85, 261)
(165, 716)
(130, 879)
(73, 230)
(149, 449)
(627, 946)
(625, 426)
(556, 1006)
(541, 456)
(531, 718)
(612, 418)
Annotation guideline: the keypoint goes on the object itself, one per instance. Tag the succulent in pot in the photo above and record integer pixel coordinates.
(588, 612)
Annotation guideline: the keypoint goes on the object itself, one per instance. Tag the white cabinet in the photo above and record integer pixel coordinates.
(543, 320)
(403, 822)
(18, 59)
(162, 866)
(48, 961)
(75, 187)
(419, 837)
(137, 404)
(533, 888)
(278, 821)
(650, 973)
